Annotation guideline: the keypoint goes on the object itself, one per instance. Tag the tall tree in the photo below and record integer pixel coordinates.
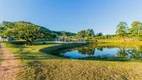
(92, 32)
(136, 28)
(99, 34)
(122, 29)
(63, 34)
(89, 32)
(81, 33)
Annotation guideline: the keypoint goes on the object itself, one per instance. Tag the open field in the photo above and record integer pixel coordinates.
(59, 69)
(41, 66)
(121, 43)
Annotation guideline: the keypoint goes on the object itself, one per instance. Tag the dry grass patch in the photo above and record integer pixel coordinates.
(82, 70)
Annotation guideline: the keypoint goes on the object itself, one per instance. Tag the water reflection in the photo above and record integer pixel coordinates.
(86, 50)
(105, 51)
(100, 48)
(122, 52)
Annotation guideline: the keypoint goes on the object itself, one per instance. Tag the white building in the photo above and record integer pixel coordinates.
(6, 39)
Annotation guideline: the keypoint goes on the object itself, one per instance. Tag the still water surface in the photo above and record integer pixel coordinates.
(104, 52)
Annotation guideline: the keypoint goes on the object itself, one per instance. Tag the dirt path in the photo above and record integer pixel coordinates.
(8, 66)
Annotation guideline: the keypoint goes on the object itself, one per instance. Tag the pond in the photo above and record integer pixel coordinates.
(104, 53)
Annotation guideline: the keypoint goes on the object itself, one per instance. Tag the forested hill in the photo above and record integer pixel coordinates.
(59, 32)
(6, 24)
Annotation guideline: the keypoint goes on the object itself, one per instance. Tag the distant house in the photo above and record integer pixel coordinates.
(3, 38)
(7, 39)
(67, 39)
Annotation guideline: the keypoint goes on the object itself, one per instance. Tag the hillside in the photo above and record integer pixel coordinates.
(7, 24)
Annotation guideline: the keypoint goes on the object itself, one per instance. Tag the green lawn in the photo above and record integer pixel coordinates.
(41, 66)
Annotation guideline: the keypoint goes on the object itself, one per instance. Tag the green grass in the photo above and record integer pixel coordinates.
(41, 66)
(120, 43)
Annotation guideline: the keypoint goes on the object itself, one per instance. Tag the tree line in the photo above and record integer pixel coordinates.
(123, 31)
(90, 34)
(31, 32)
(134, 31)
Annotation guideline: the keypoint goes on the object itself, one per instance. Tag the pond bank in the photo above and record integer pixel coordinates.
(60, 47)
(54, 68)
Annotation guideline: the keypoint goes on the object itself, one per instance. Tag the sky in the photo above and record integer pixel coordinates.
(73, 15)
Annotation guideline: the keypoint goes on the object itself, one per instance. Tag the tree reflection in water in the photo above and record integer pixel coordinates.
(90, 50)
(108, 52)
(130, 53)
(87, 50)
(122, 52)
(100, 49)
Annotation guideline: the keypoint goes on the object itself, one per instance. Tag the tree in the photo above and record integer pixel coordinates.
(92, 32)
(122, 29)
(63, 34)
(99, 34)
(89, 32)
(136, 28)
(25, 30)
(81, 33)
(4, 27)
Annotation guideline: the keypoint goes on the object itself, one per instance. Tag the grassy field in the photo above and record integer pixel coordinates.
(41, 66)
(128, 42)
(81, 70)
(120, 43)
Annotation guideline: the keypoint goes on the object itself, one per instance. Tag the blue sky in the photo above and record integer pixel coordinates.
(73, 15)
